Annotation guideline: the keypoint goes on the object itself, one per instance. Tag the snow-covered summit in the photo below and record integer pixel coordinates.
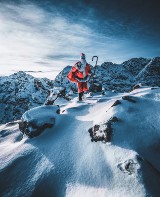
(20, 92)
(63, 161)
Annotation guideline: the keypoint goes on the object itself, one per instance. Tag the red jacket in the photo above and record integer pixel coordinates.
(76, 73)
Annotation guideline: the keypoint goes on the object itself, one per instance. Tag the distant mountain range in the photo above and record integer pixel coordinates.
(20, 91)
(119, 77)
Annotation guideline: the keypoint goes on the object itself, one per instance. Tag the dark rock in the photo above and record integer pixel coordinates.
(36, 120)
(24, 128)
(137, 86)
(57, 92)
(117, 102)
(129, 98)
(154, 88)
(103, 131)
(114, 119)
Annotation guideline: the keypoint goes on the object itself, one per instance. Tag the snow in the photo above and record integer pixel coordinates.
(41, 115)
(63, 161)
(20, 92)
(36, 120)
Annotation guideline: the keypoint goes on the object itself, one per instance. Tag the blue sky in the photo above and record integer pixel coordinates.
(48, 35)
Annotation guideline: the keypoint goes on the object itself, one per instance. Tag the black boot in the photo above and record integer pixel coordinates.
(80, 96)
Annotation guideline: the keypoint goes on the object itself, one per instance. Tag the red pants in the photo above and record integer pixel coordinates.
(82, 87)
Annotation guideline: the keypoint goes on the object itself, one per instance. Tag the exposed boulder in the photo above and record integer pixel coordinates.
(129, 98)
(36, 120)
(102, 131)
(137, 86)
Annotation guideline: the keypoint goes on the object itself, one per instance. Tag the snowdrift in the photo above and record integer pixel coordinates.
(63, 161)
(36, 120)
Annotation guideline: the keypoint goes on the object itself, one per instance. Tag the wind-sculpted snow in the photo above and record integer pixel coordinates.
(20, 92)
(63, 161)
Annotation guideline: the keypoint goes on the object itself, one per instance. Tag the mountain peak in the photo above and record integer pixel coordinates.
(20, 92)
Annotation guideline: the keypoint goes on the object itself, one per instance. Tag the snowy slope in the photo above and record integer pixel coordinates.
(64, 162)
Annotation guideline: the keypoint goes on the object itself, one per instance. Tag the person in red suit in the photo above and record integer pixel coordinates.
(80, 74)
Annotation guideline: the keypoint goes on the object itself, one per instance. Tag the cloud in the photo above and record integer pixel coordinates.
(33, 37)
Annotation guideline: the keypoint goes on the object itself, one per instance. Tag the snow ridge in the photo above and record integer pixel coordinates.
(63, 162)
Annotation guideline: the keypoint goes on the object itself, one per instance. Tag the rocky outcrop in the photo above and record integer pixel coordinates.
(102, 131)
(36, 120)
